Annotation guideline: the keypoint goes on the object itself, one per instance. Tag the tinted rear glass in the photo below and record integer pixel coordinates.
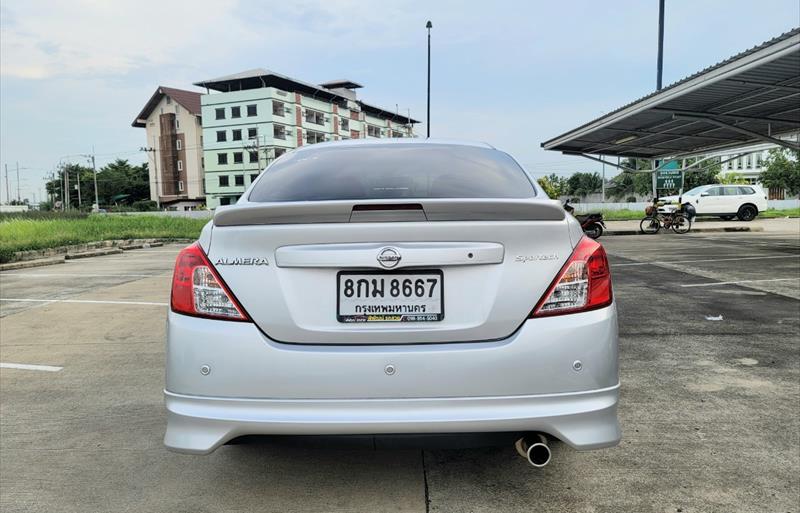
(393, 171)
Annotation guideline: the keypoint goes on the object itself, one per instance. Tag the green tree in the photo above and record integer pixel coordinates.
(731, 178)
(702, 174)
(78, 175)
(554, 185)
(583, 184)
(117, 183)
(782, 171)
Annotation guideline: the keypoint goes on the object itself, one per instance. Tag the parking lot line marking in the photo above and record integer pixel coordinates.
(705, 260)
(735, 282)
(25, 366)
(91, 301)
(83, 275)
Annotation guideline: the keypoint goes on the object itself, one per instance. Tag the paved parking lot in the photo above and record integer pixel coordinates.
(710, 367)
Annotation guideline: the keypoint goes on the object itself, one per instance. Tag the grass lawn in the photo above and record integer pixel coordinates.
(19, 234)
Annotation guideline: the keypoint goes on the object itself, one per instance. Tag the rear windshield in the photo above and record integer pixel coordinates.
(392, 171)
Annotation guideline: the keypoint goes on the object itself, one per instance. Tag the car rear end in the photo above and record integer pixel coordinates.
(392, 288)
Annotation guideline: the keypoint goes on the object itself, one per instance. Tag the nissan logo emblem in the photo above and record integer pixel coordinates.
(389, 257)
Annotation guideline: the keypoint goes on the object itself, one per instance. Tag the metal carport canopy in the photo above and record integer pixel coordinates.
(750, 98)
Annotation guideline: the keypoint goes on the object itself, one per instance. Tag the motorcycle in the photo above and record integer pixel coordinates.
(592, 224)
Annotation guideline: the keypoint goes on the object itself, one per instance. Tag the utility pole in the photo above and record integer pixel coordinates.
(604, 183)
(429, 25)
(78, 185)
(8, 197)
(19, 198)
(660, 43)
(155, 172)
(67, 194)
(94, 169)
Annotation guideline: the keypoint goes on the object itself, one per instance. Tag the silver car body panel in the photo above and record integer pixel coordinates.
(523, 383)
(486, 366)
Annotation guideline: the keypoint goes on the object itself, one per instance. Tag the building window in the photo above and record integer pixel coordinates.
(236, 135)
(373, 131)
(224, 201)
(238, 157)
(738, 163)
(277, 108)
(313, 137)
(279, 131)
(169, 100)
(355, 134)
(236, 112)
(223, 181)
(221, 137)
(252, 133)
(220, 113)
(279, 152)
(177, 124)
(759, 159)
(177, 109)
(252, 110)
(253, 156)
(180, 185)
(396, 133)
(749, 162)
(177, 144)
(344, 123)
(238, 180)
(253, 177)
(180, 165)
(315, 117)
(222, 158)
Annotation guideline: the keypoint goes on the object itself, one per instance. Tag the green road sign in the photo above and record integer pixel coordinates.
(669, 179)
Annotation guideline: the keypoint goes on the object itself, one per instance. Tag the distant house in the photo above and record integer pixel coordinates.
(171, 119)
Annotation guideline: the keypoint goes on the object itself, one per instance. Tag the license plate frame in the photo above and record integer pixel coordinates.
(393, 318)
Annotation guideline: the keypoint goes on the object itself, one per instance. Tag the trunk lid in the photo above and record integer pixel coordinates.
(287, 264)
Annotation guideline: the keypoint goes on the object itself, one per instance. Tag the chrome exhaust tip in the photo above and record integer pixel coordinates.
(534, 448)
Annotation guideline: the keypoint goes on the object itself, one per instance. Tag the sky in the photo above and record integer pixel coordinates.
(74, 74)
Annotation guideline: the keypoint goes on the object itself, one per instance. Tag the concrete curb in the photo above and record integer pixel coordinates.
(611, 233)
(97, 252)
(26, 264)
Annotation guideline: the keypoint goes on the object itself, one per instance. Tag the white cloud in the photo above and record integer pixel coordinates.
(50, 39)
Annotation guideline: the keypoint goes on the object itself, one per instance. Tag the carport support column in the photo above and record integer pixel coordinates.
(653, 167)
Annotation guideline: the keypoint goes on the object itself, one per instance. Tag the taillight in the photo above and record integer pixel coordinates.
(584, 283)
(198, 290)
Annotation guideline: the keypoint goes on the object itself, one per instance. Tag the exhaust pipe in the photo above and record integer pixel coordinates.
(534, 448)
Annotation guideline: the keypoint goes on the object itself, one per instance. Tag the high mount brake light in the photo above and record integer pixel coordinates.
(582, 284)
(198, 290)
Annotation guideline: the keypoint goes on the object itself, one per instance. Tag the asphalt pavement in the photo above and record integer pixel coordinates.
(710, 406)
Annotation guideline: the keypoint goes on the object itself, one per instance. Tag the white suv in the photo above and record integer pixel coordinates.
(725, 201)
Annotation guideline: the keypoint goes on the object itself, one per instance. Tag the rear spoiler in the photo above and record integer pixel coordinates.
(372, 211)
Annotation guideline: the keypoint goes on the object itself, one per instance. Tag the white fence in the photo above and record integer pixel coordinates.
(582, 208)
(585, 208)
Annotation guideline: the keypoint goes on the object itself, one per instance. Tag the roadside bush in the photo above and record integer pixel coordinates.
(631, 199)
(144, 205)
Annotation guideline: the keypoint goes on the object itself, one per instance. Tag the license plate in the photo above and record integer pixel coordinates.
(413, 296)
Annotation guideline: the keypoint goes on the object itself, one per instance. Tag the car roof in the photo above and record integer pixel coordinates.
(393, 142)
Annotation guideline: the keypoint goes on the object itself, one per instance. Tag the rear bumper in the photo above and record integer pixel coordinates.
(584, 420)
(227, 379)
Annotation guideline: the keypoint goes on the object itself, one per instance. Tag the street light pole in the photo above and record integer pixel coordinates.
(660, 43)
(94, 168)
(429, 25)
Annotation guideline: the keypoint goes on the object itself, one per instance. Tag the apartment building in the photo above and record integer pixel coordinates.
(253, 117)
(174, 144)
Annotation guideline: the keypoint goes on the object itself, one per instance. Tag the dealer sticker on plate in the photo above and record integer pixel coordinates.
(399, 296)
